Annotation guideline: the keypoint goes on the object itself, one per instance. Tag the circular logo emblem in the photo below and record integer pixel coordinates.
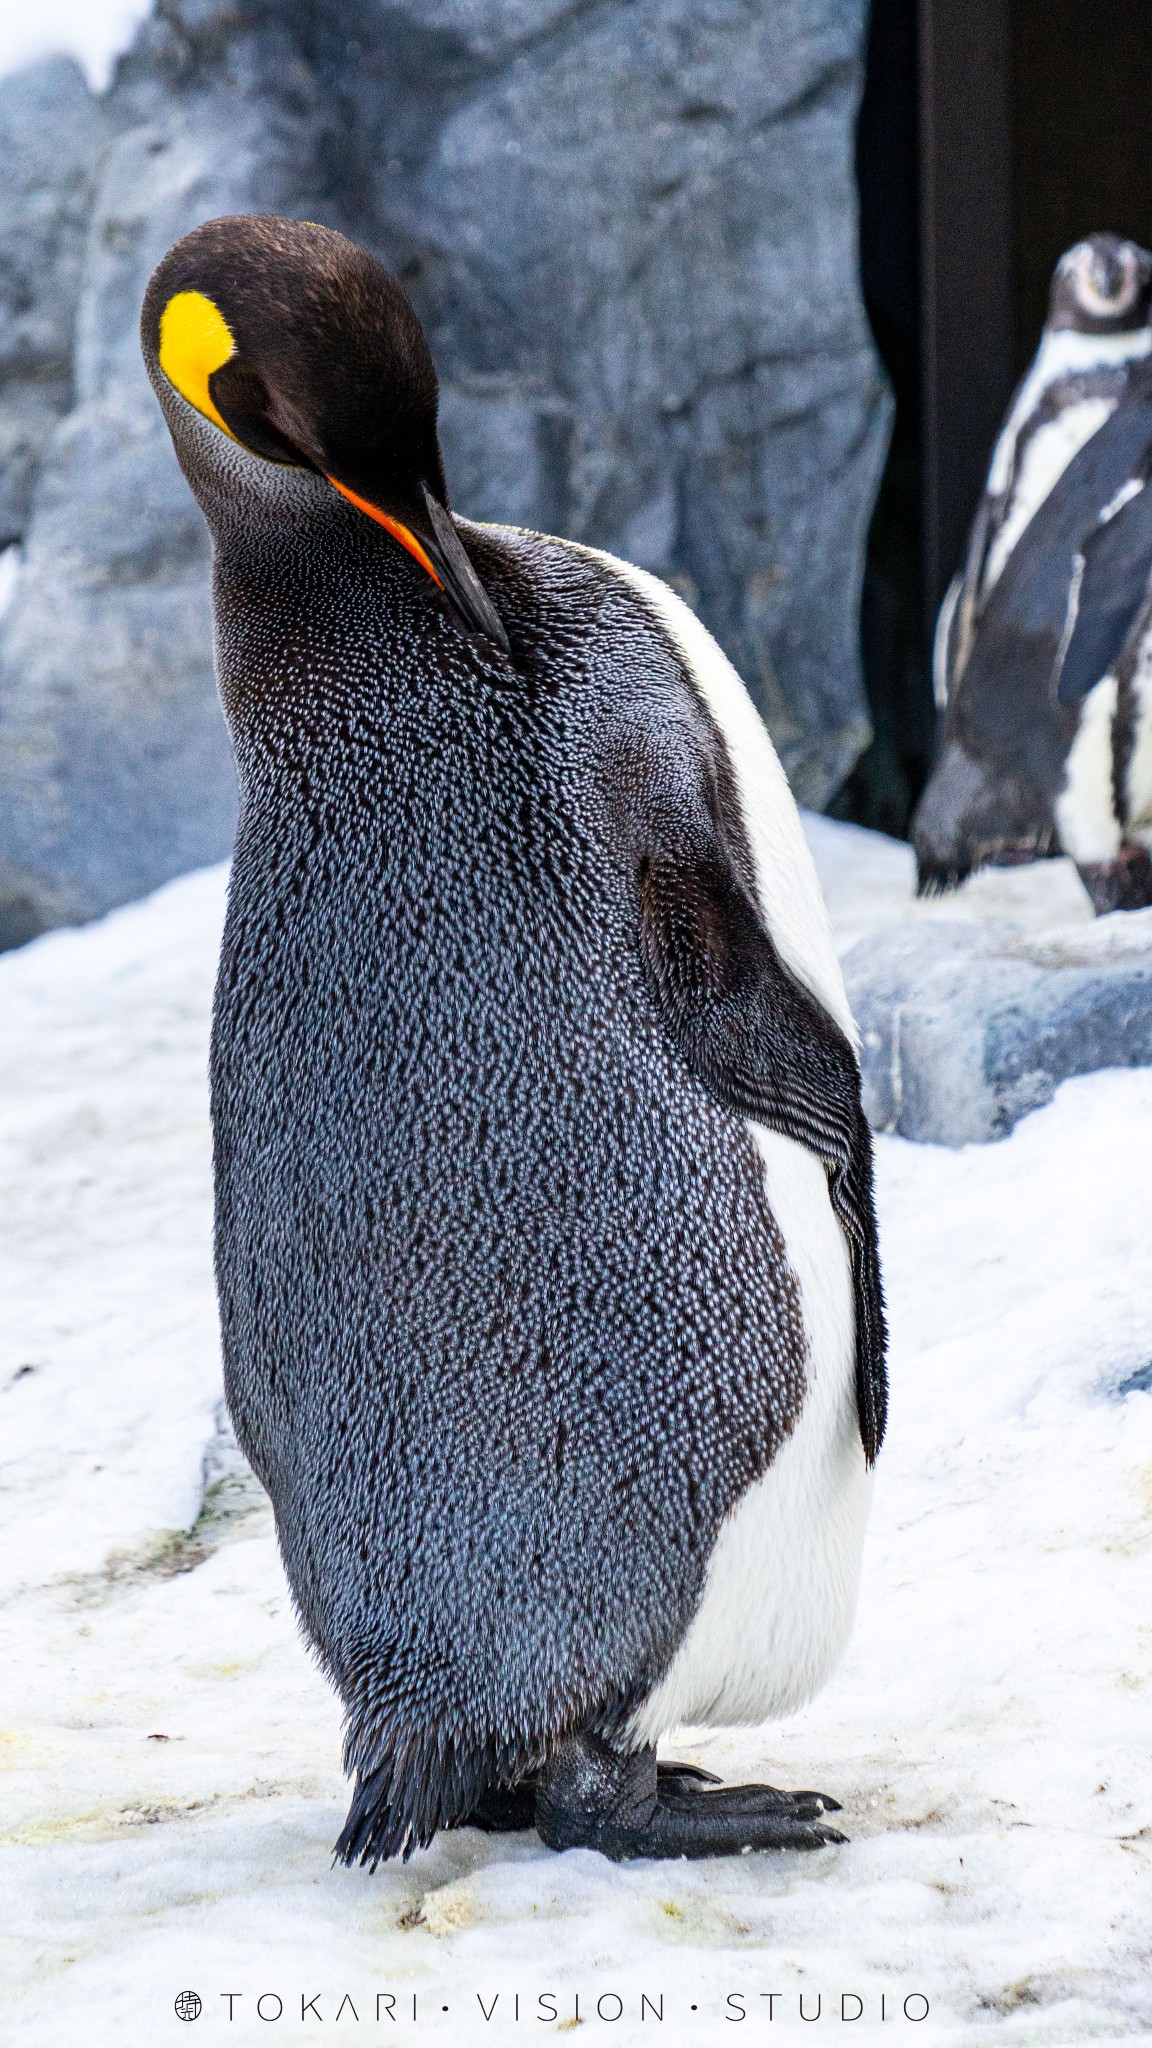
(189, 2005)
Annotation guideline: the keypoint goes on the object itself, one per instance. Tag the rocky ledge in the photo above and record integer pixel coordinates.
(974, 1007)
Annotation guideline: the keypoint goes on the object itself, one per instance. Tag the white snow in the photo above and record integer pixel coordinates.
(988, 1731)
(869, 885)
(95, 32)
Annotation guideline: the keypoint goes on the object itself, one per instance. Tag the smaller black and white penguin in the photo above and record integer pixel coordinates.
(1097, 328)
(1041, 744)
(545, 1239)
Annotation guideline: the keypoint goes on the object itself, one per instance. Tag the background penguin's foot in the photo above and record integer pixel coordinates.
(510, 1809)
(1121, 884)
(590, 1796)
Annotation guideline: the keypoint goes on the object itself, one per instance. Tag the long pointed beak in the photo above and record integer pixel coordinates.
(441, 555)
(458, 579)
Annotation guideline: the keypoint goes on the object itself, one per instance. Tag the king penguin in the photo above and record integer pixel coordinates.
(1096, 329)
(545, 1241)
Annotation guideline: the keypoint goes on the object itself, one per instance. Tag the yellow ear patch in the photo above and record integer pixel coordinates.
(195, 339)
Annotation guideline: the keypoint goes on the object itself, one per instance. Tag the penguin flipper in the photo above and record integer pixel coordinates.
(1108, 588)
(763, 1046)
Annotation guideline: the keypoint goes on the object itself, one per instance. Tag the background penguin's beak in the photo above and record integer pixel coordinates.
(440, 553)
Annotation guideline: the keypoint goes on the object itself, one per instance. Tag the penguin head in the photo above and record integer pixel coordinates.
(1101, 286)
(296, 344)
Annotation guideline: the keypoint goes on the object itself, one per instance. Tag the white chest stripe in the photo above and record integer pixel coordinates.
(1046, 456)
(1062, 353)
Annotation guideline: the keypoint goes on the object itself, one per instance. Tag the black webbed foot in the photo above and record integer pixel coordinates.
(510, 1809)
(590, 1796)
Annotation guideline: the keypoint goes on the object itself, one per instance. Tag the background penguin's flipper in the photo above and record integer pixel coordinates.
(762, 1045)
(1108, 589)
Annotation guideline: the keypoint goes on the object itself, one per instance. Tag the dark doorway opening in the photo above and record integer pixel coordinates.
(1081, 137)
(885, 783)
(992, 135)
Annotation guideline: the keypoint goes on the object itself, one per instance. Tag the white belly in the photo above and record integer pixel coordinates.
(780, 1593)
(1086, 806)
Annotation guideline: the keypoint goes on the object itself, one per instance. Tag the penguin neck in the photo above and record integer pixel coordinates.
(305, 606)
(342, 678)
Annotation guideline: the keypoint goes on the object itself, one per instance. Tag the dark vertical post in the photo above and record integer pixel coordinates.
(966, 264)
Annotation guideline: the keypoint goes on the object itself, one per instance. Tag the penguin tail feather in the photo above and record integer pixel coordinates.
(422, 1783)
(376, 1828)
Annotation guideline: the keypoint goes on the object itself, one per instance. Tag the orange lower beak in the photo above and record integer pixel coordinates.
(401, 533)
(446, 561)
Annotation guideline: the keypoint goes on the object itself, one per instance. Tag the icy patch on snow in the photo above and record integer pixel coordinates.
(174, 1780)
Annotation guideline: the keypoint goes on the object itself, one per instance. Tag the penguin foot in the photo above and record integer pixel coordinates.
(590, 1796)
(511, 1809)
(1121, 884)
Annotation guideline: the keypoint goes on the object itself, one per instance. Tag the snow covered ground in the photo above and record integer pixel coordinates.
(173, 1779)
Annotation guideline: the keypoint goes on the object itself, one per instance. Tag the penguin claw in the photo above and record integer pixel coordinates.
(761, 1799)
(829, 1804)
(681, 1777)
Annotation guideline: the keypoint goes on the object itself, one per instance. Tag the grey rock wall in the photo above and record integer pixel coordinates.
(51, 130)
(629, 228)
